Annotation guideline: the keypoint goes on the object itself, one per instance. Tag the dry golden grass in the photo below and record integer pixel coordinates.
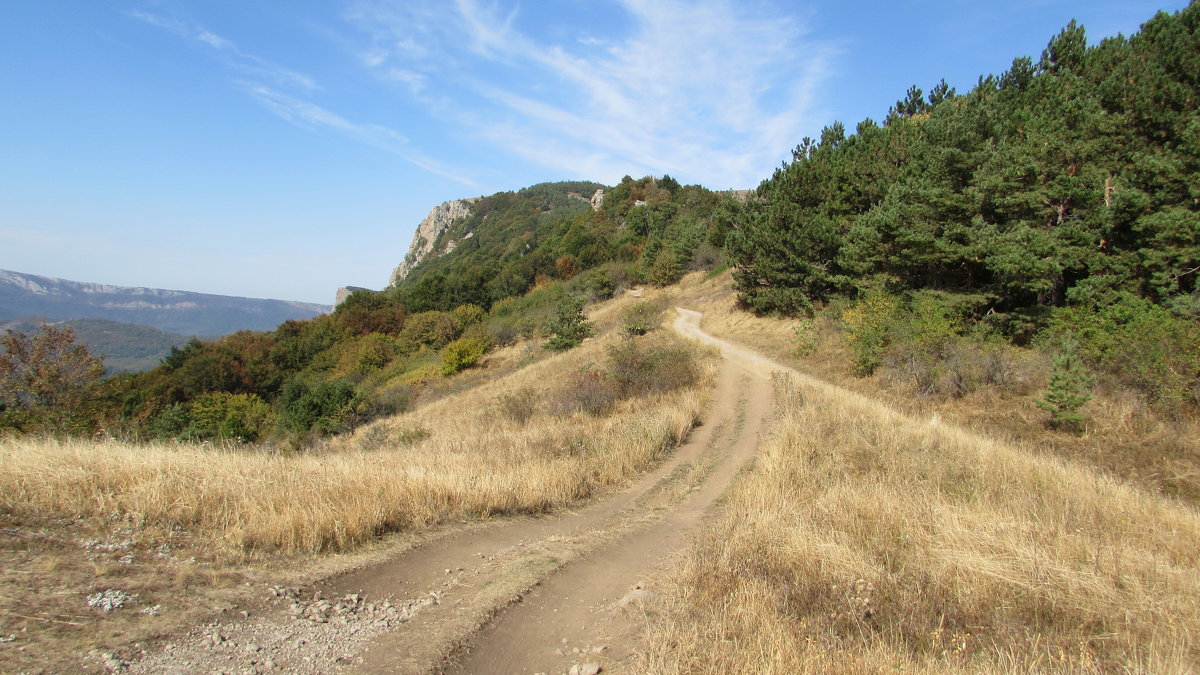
(868, 541)
(1124, 436)
(870, 538)
(457, 458)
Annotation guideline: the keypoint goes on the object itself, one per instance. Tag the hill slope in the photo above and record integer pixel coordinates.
(126, 347)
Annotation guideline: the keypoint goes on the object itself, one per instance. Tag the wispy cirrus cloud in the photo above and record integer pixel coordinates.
(712, 91)
(292, 107)
(307, 114)
(227, 51)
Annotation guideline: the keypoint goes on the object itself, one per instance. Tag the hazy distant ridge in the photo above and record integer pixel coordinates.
(173, 311)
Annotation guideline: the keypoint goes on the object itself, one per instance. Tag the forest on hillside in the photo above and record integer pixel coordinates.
(1056, 202)
(1056, 205)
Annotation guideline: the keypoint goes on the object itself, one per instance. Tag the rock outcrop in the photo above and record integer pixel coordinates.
(598, 199)
(344, 292)
(438, 220)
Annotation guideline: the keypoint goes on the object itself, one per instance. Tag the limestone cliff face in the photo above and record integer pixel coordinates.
(440, 218)
(344, 292)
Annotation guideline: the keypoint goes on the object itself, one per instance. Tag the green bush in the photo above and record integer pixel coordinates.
(221, 415)
(1068, 391)
(322, 407)
(804, 338)
(171, 423)
(429, 329)
(640, 318)
(569, 326)
(1138, 345)
(215, 415)
(468, 315)
(668, 268)
(869, 330)
(464, 352)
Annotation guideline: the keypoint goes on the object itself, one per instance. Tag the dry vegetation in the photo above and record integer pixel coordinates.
(1124, 436)
(870, 538)
(460, 457)
(868, 541)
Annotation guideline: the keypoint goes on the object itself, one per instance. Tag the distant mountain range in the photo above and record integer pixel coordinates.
(182, 312)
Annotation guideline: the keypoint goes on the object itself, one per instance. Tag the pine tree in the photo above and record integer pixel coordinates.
(1068, 391)
(569, 326)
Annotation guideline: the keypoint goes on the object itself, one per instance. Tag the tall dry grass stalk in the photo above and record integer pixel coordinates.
(868, 541)
(457, 458)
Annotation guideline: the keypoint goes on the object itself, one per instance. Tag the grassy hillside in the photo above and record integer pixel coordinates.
(185, 525)
(869, 541)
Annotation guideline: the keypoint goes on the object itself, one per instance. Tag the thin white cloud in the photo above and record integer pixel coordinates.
(300, 111)
(311, 116)
(710, 91)
(228, 51)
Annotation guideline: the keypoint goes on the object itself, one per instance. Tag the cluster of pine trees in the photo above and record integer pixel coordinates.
(1074, 180)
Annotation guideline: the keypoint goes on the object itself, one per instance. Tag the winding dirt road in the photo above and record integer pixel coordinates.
(528, 595)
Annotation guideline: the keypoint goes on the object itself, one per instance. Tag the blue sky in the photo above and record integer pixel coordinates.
(284, 148)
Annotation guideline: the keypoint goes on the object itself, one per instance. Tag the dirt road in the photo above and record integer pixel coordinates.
(524, 595)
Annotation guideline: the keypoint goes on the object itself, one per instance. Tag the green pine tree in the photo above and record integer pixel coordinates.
(1068, 391)
(569, 326)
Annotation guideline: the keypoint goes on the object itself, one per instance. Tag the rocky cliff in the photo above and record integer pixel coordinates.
(440, 218)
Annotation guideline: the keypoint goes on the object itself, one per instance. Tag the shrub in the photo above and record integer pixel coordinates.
(667, 268)
(869, 323)
(430, 329)
(172, 422)
(1068, 391)
(804, 339)
(640, 370)
(569, 326)
(1140, 345)
(590, 391)
(363, 355)
(468, 315)
(220, 414)
(707, 257)
(464, 352)
(411, 436)
(216, 415)
(520, 405)
(322, 407)
(503, 332)
(599, 285)
(640, 318)
(392, 399)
